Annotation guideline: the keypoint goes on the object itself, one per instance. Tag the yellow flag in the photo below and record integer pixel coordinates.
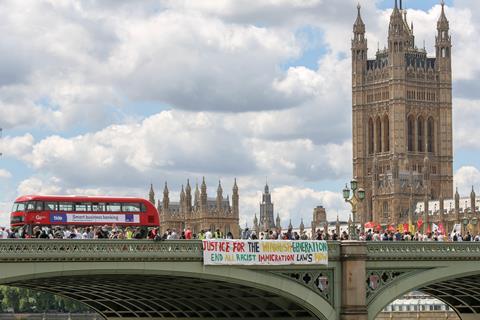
(400, 227)
(411, 227)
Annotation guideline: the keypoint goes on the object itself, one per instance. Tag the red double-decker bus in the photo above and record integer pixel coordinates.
(34, 210)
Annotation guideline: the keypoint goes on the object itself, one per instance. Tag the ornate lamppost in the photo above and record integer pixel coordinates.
(466, 221)
(354, 196)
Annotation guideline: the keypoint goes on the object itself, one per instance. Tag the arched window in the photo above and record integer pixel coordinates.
(430, 135)
(386, 134)
(385, 210)
(421, 134)
(371, 137)
(411, 127)
(379, 135)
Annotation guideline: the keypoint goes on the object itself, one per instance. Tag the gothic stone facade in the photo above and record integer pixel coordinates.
(202, 213)
(266, 214)
(402, 120)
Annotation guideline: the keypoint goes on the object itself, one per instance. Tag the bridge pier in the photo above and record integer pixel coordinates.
(354, 302)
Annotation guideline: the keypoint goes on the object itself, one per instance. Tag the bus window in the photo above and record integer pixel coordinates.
(143, 208)
(52, 206)
(18, 206)
(98, 207)
(114, 207)
(131, 207)
(17, 219)
(82, 207)
(30, 206)
(65, 206)
(38, 205)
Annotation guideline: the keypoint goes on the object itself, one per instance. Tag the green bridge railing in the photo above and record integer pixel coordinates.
(147, 250)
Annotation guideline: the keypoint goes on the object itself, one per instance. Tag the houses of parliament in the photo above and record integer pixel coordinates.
(402, 122)
(199, 212)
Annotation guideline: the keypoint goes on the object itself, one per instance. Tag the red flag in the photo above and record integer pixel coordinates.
(391, 228)
(429, 229)
(419, 223)
(370, 225)
(405, 227)
(441, 229)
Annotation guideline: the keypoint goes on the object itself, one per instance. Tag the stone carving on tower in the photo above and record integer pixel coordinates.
(203, 214)
(402, 120)
(267, 221)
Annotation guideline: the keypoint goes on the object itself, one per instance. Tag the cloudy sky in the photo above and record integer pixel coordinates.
(106, 97)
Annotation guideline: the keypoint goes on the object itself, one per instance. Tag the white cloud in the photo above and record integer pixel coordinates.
(177, 143)
(465, 178)
(5, 174)
(17, 147)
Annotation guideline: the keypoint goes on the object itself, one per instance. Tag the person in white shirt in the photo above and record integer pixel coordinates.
(208, 234)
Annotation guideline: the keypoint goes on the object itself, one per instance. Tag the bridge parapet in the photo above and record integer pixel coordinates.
(110, 250)
(423, 250)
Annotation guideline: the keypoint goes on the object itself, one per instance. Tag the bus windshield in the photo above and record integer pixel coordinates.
(19, 206)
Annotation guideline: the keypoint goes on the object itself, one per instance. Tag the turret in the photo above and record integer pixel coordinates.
(203, 196)
(182, 200)
(255, 224)
(290, 224)
(235, 200)
(188, 197)
(457, 201)
(151, 195)
(266, 194)
(302, 226)
(443, 43)
(196, 201)
(359, 53)
(277, 222)
(166, 200)
(219, 196)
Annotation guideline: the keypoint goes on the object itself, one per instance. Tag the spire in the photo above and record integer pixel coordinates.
(290, 224)
(188, 188)
(204, 186)
(182, 193)
(235, 187)
(302, 226)
(277, 224)
(166, 200)
(442, 21)
(165, 189)
(151, 195)
(359, 26)
(196, 199)
(219, 196)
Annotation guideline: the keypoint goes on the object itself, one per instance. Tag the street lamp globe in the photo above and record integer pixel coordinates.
(361, 194)
(354, 184)
(474, 221)
(346, 193)
(465, 221)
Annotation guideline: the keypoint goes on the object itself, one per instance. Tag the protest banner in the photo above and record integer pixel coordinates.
(264, 252)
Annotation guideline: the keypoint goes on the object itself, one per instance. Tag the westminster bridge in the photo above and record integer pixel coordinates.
(157, 280)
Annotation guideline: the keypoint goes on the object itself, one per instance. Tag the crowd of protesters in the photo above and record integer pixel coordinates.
(114, 232)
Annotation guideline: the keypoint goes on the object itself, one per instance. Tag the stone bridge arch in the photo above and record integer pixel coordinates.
(453, 282)
(207, 292)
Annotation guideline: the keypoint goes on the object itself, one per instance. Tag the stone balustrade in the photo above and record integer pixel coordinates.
(147, 250)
